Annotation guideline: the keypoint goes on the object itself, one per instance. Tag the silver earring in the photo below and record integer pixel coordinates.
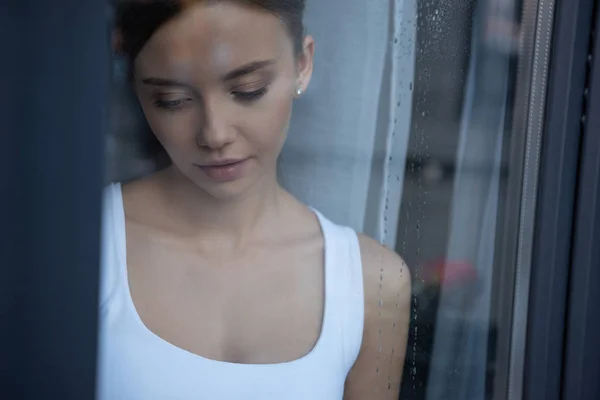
(299, 91)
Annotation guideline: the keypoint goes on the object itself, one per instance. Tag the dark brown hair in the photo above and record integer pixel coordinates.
(138, 20)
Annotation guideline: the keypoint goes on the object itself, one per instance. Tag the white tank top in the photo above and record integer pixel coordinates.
(136, 364)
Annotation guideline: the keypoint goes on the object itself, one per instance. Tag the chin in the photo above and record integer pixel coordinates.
(229, 190)
(225, 190)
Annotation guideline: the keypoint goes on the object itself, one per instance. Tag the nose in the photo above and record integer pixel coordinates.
(216, 131)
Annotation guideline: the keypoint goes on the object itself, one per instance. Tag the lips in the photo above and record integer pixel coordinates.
(221, 163)
(224, 170)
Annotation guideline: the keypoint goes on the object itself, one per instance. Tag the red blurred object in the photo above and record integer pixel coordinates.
(448, 273)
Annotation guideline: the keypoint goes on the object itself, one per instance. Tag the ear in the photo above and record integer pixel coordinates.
(305, 63)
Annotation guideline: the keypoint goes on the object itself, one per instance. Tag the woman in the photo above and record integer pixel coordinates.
(217, 283)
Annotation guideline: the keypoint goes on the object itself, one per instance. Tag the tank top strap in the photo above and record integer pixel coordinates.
(344, 287)
(112, 243)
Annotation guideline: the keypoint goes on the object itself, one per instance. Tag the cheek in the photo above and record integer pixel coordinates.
(270, 121)
(174, 130)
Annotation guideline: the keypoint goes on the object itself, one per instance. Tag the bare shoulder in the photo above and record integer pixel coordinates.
(387, 284)
(141, 186)
(377, 371)
(141, 195)
(382, 269)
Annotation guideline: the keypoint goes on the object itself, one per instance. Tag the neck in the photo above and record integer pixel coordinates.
(227, 223)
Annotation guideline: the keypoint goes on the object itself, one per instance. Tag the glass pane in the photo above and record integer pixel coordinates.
(455, 196)
(235, 263)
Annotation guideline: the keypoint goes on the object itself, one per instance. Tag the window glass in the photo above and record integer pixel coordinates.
(401, 129)
(454, 192)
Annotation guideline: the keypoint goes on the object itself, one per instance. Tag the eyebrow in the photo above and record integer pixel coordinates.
(236, 73)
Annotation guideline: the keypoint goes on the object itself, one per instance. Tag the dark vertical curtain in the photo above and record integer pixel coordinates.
(55, 73)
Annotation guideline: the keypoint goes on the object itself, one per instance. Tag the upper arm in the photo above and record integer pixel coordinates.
(377, 372)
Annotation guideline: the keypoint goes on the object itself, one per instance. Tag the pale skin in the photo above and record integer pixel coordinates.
(233, 271)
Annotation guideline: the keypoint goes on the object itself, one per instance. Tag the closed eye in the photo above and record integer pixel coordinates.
(171, 104)
(250, 96)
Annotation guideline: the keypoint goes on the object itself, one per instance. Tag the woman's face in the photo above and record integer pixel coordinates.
(217, 85)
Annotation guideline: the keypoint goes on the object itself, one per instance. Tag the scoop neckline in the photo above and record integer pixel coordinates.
(119, 224)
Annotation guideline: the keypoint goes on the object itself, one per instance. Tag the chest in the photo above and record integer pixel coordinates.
(262, 306)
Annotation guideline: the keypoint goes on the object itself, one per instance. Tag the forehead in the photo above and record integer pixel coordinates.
(212, 38)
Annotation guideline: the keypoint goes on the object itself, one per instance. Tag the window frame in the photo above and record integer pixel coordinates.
(551, 263)
(581, 367)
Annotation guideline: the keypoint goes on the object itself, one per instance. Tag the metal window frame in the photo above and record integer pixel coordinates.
(516, 219)
(581, 374)
(556, 199)
(56, 61)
